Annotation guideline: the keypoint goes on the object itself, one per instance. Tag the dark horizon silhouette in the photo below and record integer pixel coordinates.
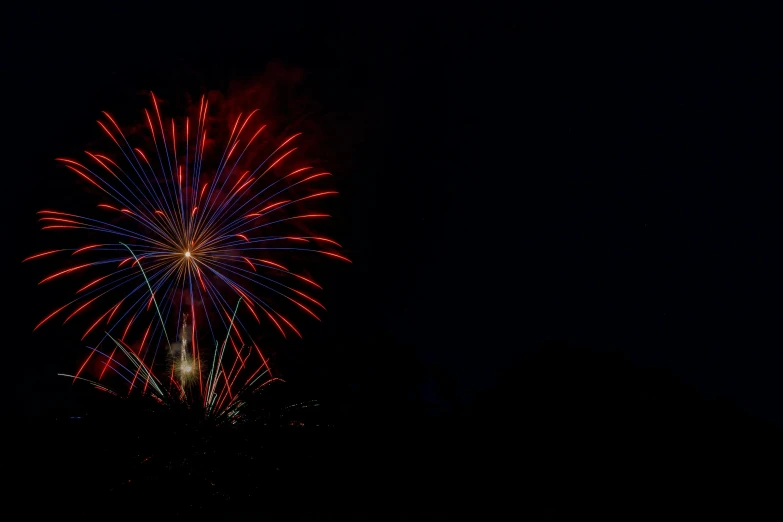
(565, 427)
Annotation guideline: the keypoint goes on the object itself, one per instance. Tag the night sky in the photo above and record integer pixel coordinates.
(551, 215)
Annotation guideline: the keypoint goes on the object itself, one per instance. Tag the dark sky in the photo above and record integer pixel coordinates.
(601, 180)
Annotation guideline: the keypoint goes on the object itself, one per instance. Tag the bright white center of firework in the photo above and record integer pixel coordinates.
(187, 368)
(187, 253)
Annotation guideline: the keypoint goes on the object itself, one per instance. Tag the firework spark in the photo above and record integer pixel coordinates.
(178, 268)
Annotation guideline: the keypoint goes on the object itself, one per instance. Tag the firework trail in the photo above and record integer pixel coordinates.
(189, 256)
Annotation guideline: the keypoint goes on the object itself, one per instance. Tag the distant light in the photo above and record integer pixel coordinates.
(187, 368)
(187, 253)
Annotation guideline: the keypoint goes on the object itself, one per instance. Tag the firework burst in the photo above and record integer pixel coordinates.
(190, 254)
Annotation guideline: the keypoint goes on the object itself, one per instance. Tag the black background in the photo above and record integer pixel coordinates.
(564, 227)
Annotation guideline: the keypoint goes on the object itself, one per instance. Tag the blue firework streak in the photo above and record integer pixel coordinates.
(192, 259)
